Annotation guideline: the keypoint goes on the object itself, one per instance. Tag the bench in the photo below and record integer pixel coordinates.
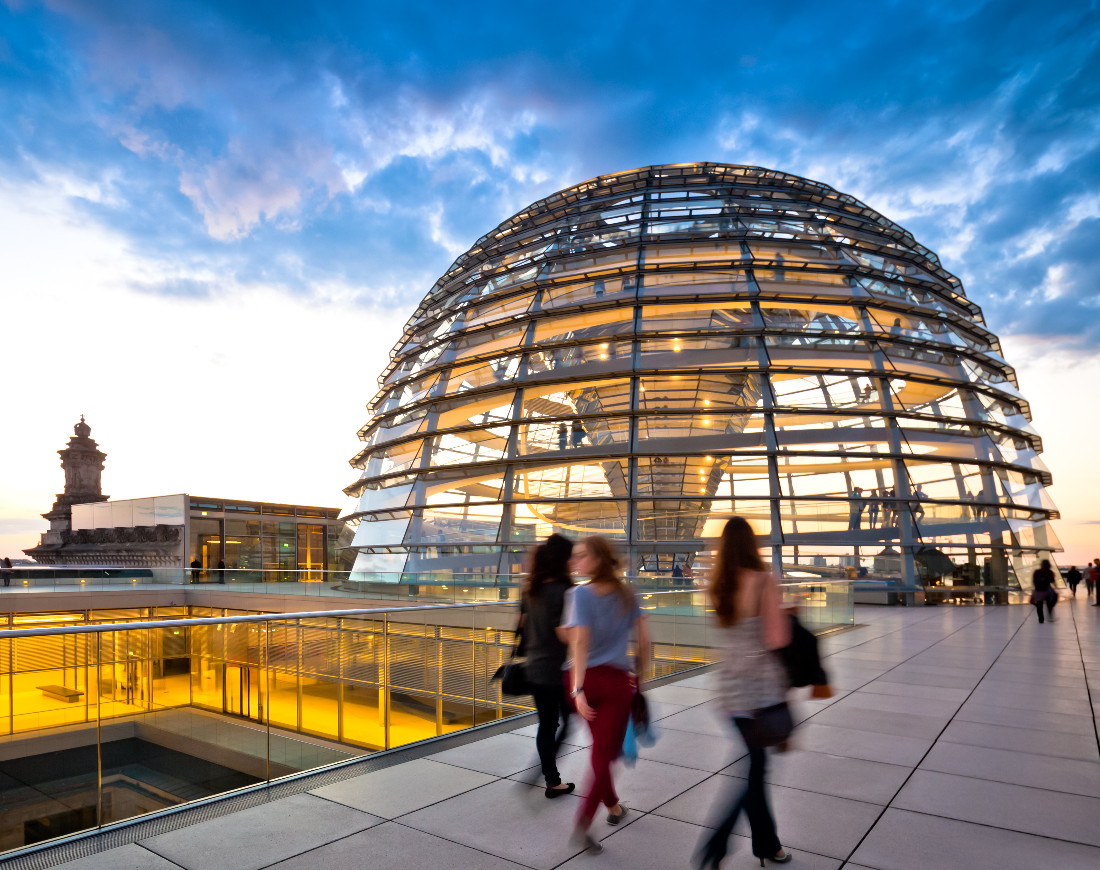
(61, 693)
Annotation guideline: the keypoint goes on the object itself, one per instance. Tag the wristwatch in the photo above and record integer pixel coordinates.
(576, 692)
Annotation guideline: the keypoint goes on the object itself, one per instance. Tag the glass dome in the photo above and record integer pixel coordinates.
(646, 353)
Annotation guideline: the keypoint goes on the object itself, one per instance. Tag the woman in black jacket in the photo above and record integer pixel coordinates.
(546, 644)
(1043, 583)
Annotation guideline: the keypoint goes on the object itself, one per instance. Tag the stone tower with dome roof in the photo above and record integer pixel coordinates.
(82, 461)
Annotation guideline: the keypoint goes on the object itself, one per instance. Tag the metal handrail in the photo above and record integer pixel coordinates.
(271, 617)
(223, 620)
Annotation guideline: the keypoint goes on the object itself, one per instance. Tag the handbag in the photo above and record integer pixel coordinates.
(639, 711)
(1038, 596)
(512, 674)
(513, 679)
(642, 729)
(768, 726)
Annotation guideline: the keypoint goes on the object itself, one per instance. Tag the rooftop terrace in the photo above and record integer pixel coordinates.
(958, 737)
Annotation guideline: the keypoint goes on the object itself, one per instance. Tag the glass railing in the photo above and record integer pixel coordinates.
(108, 722)
(404, 587)
(822, 605)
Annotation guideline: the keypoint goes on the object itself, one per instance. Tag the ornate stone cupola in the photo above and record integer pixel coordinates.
(83, 463)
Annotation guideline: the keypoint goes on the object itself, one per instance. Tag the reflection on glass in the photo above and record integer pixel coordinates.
(646, 352)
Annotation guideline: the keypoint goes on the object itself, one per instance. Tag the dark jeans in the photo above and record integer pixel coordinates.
(753, 799)
(552, 704)
(1049, 601)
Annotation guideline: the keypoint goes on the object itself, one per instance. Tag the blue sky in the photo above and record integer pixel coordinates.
(334, 157)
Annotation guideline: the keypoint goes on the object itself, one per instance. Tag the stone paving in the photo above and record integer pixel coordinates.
(958, 738)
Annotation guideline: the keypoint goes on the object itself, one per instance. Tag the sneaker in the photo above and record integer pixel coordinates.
(585, 841)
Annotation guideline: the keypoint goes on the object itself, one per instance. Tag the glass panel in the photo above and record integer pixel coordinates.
(695, 426)
(588, 356)
(476, 376)
(243, 551)
(563, 436)
(675, 283)
(472, 522)
(535, 522)
(714, 351)
(144, 512)
(611, 287)
(311, 552)
(169, 509)
(585, 325)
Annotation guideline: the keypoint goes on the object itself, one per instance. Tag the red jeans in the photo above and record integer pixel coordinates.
(609, 692)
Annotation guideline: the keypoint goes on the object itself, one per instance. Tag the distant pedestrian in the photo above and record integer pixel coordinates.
(602, 615)
(872, 510)
(545, 644)
(221, 571)
(5, 570)
(1073, 578)
(579, 432)
(196, 569)
(1092, 577)
(855, 508)
(889, 508)
(677, 572)
(1043, 592)
(563, 436)
(918, 508)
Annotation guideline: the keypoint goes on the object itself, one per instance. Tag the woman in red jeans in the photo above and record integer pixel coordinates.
(601, 616)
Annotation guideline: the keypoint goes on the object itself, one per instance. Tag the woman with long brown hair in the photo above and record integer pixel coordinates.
(746, 601)
(545, 643)
(602, 614)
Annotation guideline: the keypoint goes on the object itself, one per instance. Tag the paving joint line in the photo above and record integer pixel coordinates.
(916, 767)
(991, 827)
(1084, 669)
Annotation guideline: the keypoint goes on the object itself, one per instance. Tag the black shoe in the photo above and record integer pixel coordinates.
(787, 857)
(709, 857)
(558, 792)
(615, 818)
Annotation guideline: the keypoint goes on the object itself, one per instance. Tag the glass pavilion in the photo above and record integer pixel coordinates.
(644, 354)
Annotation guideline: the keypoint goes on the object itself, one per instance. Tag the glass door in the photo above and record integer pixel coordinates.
(241, 692)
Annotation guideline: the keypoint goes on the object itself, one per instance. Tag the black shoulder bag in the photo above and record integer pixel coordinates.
(513, 674)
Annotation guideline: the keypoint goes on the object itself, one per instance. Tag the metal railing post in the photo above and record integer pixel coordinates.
(98, 732)
(384, 694)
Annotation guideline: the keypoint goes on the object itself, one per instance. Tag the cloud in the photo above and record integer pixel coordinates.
(221, 182)
(342, 142)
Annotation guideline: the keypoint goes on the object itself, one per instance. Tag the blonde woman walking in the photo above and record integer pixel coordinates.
(601, 617)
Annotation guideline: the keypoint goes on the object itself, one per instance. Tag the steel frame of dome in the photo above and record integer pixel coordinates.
(645, 353)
